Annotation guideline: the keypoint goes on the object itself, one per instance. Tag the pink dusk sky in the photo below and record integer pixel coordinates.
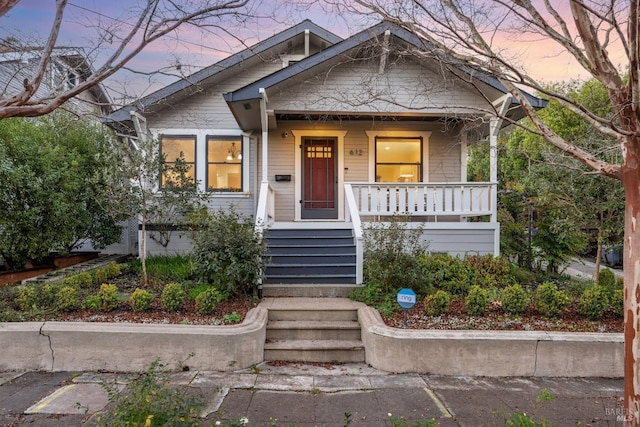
(193, 49)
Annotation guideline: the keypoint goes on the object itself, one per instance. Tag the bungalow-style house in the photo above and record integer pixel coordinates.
(315, 137)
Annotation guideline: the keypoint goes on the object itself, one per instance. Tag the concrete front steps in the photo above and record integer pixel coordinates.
(324, 330)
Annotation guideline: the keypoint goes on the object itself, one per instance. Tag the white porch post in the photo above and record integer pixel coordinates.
(501, 105)
(264, 119)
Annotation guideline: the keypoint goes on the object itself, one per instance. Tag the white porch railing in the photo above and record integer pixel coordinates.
(265, 211)
(424, 199)
(352, 214)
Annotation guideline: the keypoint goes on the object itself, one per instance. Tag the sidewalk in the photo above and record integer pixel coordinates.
(308, 395)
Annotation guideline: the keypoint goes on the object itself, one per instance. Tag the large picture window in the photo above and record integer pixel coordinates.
(180, 160)
(398, 159)
(224, 163)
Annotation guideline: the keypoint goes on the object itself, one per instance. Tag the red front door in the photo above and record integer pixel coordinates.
(319, 181)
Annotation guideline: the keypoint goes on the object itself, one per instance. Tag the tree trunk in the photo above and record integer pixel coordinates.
(143, 250)
(596, 273)
(631, 181)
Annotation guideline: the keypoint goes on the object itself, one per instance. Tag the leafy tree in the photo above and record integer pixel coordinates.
(52, 187)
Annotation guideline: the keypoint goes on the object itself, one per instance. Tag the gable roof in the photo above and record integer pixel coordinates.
(74, 58)
(248, 95)
(189, 84)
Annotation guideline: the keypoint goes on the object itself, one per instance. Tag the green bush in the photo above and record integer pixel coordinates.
(100, 276)
(67, 299)
(27, 298)
(617, 302)
(80, 280)
(593, 302)
(206, 301)
(514, 299)
(438, 303)
(488, 271)
(232, 318)
(48, 293)
(607, 280)
(106, 299)
(113, 270)
(445, 272)
(151, 400)
(550, 302)
(140, 300)
(476, 301)
(227, 249)
(172, 297)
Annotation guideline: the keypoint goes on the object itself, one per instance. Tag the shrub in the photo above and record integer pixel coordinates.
(476, 301)
(206, 301)
(228, 249)
(106, 299)
(100, 276)
(67, 299)
(514, 299)
(607, 280)
(140, 300)
(47, 297)
(550, 302)
(593, 302)
(80, 280)
(437, 303)
(113, 270)
(617, 302)
(488, 271)
(27, 298)
(446, 272)
(172, 297)
(232, 318)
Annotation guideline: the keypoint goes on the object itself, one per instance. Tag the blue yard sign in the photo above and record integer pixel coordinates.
(406, 298)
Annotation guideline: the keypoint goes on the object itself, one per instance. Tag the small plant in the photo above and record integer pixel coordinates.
(172, 297)
(140, 300)
(438, 303)
(550, 302)
(67, 299)
(80, 280)
(617, 302)
(232, 318)
(593, 302)
(106, 299)
(100, 276)
(396, 421)
(315, 390)
(476, 301)
(206, 301)
(607, 279)
(514, 299)
(113, 270)
(151, 401)
(27, 298)
(47, 297)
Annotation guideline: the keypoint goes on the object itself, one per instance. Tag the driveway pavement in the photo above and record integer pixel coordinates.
(329, 395)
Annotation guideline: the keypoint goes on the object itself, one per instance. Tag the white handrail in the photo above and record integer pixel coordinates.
(424, 199)
(353, 215)
(265, 211)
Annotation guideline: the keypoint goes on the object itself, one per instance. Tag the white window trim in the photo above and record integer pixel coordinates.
(299, 134)
(425, 135)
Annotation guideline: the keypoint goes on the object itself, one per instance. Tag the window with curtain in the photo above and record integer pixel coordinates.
(224, 163)
(398, 159)
(180, 160)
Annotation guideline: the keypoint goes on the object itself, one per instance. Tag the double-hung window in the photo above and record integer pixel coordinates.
(398, 159)
(179, 168)
(224, 163)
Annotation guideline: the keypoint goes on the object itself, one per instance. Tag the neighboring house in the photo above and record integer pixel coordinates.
(315, 136)
(68, 67)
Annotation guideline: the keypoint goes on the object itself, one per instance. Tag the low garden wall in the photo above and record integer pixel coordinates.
(490, 353)
(88, 346)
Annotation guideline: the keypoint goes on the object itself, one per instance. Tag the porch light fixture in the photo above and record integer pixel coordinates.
(233, 153)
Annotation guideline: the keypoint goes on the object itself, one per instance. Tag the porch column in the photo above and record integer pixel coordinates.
(501, 106)
(265, 134)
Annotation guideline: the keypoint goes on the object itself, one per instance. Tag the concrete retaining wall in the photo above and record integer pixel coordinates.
(490, 353)
(78, 346)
